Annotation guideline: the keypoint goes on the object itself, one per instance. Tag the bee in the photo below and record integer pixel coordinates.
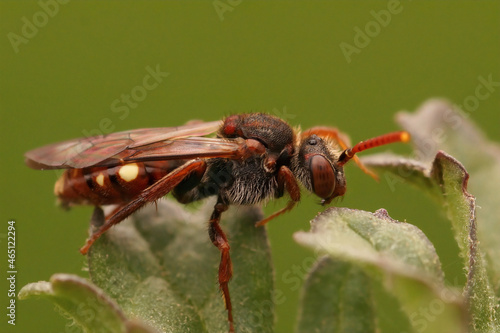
(252, 158)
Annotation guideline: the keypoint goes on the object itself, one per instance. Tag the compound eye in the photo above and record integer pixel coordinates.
(322, 176)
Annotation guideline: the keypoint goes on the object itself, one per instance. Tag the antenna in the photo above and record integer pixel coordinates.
(401, 136)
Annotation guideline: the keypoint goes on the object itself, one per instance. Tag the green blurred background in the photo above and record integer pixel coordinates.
(280, 57)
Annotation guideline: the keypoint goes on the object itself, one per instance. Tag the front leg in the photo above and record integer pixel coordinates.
(288, 183)
(219, 239)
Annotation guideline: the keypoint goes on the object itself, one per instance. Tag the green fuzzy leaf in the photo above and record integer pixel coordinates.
(437, 125)
(86, 304)
(161, 266)
(337, 297)
(398, 253)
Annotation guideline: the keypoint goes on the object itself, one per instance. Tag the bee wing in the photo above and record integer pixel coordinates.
(178, 149)
(138, 145)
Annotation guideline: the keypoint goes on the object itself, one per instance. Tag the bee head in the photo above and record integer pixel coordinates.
(322, 153)
(315, 165)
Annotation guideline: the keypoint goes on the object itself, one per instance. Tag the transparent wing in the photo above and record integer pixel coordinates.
(150, 144)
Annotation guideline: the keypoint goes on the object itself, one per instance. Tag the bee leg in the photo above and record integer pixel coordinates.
(286, 181)
(151, 194)
(219, 239)
(97, 219)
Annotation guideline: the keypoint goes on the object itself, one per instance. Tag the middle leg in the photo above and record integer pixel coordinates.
(219, 239)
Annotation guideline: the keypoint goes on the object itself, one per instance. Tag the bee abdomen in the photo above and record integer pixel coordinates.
(109, 185)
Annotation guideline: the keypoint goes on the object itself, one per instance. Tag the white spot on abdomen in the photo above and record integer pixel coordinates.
(100, 179)
(129, 172)
(59, 186)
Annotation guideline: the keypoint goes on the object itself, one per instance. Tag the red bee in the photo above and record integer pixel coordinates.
(253, 158)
